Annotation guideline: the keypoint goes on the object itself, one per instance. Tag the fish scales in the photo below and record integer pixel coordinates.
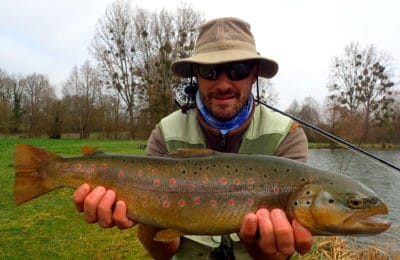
(208, 193)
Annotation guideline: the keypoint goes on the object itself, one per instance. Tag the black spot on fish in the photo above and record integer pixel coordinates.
(183, 171)
(236, 170)
(296, 203)
(287, 170)
(227, 166)
(308, 192)
(308, 202)
(303, 179)
(275, 170)
(331, 201)
(265, 176)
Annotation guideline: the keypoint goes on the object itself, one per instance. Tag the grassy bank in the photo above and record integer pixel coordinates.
(49, 227)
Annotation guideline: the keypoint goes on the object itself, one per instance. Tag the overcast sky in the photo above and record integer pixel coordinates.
(50, 37)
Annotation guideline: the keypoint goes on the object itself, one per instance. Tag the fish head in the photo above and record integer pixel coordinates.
(339, 208)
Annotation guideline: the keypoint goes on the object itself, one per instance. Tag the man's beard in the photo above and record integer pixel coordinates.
(223, 112)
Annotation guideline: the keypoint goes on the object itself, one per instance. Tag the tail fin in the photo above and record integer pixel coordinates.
(29, 180)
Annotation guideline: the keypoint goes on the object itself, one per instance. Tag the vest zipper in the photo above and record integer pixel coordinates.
(222, 142)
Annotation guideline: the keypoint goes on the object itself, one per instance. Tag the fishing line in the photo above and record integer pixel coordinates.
(336, 139)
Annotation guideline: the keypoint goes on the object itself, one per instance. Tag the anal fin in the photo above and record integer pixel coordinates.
(167, 235)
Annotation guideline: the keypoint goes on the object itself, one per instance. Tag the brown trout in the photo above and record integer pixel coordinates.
(207, 193)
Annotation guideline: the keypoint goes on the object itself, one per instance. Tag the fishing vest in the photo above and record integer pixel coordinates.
(265, 133)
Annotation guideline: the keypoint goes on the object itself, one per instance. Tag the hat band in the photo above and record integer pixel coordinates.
(225, 45)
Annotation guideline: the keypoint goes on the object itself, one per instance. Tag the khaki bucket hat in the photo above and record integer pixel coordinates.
(224, 40)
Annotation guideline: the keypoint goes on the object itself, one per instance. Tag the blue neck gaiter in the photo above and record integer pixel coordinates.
(225, 126)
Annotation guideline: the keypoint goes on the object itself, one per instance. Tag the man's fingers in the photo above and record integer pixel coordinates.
(302, 237)
(283, 232)
(248, 230)
(91, 202)
(120, 218)
(267, 240)
(80, 195)
(105, 208)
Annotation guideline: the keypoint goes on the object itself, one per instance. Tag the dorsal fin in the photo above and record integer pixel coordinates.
(192, 152)
(87, 150)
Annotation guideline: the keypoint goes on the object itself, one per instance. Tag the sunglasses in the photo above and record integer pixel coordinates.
(234, 70)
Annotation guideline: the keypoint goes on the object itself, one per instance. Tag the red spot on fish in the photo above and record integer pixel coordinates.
(224, 181)
(172, 182)
(165, 204)
(121, 174)
(78, 166)
(236, 181)
(196, 200)
(276, 189)
(250, 202)
(92, 166)
(139, 173)
(181, 203)
(156, 182)
(65, 165)
(213, 203)
(231, 202)
(192, 187)
(205, 180)
(104, 166)
(87, 176)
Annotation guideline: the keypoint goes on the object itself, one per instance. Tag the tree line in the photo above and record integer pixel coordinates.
(127, 86)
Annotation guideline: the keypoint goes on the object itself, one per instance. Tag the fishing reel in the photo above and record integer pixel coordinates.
(185, 95)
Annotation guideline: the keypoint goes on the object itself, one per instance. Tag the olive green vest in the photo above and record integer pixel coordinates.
(265, 133)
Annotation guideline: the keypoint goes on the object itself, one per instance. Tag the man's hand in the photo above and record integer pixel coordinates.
(270, 235)
(100, 205)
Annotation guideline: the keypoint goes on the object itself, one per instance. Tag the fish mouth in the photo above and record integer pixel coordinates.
(367, 222)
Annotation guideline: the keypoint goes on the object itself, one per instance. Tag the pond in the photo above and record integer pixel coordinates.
(383, 180)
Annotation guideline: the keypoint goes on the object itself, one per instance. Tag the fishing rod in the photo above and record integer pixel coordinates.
(185, 99)
(334, 137)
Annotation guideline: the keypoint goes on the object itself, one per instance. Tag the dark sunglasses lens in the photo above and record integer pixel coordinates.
(239, 71)
(210, 72)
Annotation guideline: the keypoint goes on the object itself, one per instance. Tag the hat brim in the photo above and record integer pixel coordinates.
(182, 68)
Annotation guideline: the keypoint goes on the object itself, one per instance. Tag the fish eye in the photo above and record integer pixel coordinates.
(355, 203)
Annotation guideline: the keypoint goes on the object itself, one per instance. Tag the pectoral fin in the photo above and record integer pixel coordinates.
(167, 235)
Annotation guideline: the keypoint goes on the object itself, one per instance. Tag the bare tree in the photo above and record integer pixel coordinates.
(6, 95)
(36, 93)
(83, 86)
(266, 92)
(135, 48)
(360, 83)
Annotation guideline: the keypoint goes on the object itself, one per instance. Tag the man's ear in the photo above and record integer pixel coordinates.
(254, 74)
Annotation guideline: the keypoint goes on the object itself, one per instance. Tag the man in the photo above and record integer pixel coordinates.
(227, 119)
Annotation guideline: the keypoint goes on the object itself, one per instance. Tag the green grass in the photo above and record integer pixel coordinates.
(49, 227)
